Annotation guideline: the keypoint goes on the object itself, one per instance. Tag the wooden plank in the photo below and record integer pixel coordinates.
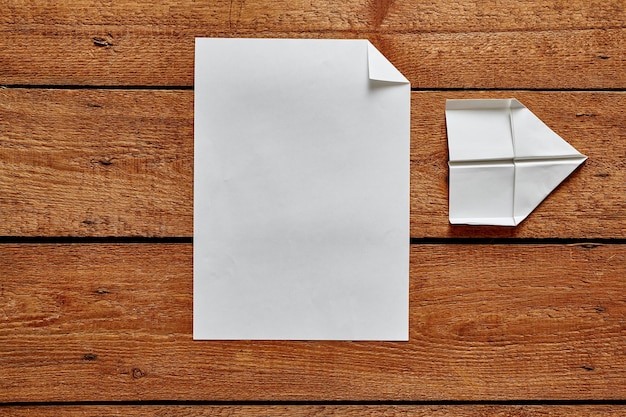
(110, 55)
(96, 163)
(320, 411)
(487, 322)
(324, 15)
(120, 163)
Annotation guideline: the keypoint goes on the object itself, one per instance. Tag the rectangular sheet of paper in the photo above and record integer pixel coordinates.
(301, 191)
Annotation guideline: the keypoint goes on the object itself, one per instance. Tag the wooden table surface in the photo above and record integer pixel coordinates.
(96, 168)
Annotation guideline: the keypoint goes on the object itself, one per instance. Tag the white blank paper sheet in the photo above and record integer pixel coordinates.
(301, 191)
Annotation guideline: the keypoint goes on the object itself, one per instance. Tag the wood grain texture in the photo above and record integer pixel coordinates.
(319, 411)
(103, 322)
(114, 55)
(487, 322)
(436, 44)
(324, 15)
(96, 163)
(120, 163)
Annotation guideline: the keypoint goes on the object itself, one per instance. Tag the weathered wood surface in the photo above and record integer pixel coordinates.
(440, 44)
(120, 163)
(487, 322)
(163, 56)
(319, 411)
(324, 15)
(101, 163)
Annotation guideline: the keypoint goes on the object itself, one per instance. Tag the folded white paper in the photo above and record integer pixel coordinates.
(504, 161)
(301, 191)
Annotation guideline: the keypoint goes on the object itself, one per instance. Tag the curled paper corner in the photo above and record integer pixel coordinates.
(380, 69)
(504, 161)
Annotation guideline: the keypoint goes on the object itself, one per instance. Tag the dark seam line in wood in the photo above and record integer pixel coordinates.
(384, 31)
(413, 89)
(321, 403)
(95, 87)
(547, 90)
(61, 240)
(589, 243)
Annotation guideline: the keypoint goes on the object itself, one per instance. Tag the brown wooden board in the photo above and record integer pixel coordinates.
(505, 329)
(96, 163)
(120, 163)
(163, 55)
(324, 15)
(487, 322)
(576, 44)
(318, 411)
